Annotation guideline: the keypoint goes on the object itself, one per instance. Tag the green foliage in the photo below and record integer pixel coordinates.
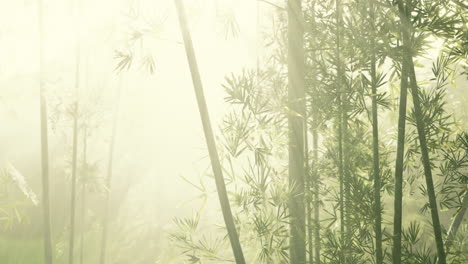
(253, 135)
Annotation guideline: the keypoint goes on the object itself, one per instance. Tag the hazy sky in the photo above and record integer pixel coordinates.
(159, 129)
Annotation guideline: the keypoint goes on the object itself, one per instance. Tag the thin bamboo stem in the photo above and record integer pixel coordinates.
(209, 137)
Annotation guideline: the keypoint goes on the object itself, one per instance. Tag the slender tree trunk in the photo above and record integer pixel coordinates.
(456, 222)
(405, 16)
(308, 193)
(316, 194)
(105, 219)
(83, 196)
(341, 180)
(71, 243)
(73, 187)
(308, 186)
(346, 175)
(376, 172)
(315, 174)
(340, 124)
(44, 143)
(398, 202)
(296, 101)
(209, 137)
(427, 165)
(375, 146)
(345, 141)
(83, 219)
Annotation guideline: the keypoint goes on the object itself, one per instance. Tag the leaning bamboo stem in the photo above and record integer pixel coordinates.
(209, 137)
(427, 166)
(405, 16)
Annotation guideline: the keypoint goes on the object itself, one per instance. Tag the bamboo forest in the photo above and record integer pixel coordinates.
(234, 131)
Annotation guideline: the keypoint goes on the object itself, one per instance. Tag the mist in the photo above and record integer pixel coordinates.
(233, 131)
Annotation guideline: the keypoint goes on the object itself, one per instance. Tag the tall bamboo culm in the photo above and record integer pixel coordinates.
(107, 198)
(48, 255)
(375, 143)
(315, 123)
(398, 199)
(209, 137)
(339, 122)
(71, 242)
(296, 103)
(405, 16)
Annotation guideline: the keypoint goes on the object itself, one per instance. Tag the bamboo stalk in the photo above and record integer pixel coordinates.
(315, 173)
(340, 127)
(375, 145)
(71, 242)
(209, 137)
(398, 199)
(308, 194)
(296, 103)
(48, 255)
(427, 166)
(405, 16)
(105, 219)
(83, 196)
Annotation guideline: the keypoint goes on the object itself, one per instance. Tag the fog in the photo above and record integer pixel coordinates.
(138, 124)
